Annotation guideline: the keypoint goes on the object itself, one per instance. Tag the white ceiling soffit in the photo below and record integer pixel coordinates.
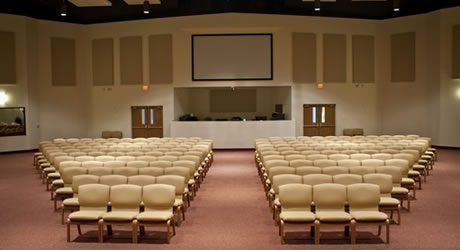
(91, 3)
(138, 2)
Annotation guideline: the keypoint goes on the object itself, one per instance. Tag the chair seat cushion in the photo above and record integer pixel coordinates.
(49, 169)
(86, 215)
(276, 202)
(369, 216)
(178, 202)
(399, 190)
(71, 202)
(58, 182)
(55, 175)
(407, 181)
(154, 216)
(120, 216)
(297, 216)
(413, 173)
(336, 216)
(418, 167)
(64, 190)
(388, 201)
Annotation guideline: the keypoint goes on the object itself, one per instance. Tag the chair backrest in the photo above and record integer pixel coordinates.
(363, 197)
(382, 156)
(105, 158)
(296, 156)
(137, 164)
(314, 157)
(93, 197)
(324, 163)
(361, 170)
(360, 156)
(338, 157)
(125, 197)
(280, 170)
(111, 180)
(141, 180)
(84, 179)
(315, 179)
(276, 163)
(61, 158)
(167, 158)
(125, 158)
(329, 197)
(67, 174)
(372, 163)
(114, 164)
(295, 197)
(160, 164)
(159, 197)
(84, 158)
(174, 180)
(282, 179)
(92, 164)
(300, 163)
(152, 171)
(185, 163)
(349, 163)
(395, 173)
(335, 170)
(347, 179)
(147, 158)
(126, 171)
(100, 171)
(384, 181)
(307, 170)
(179, 171)
(401, 163)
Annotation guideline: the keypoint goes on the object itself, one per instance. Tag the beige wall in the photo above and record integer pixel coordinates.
(427, 106)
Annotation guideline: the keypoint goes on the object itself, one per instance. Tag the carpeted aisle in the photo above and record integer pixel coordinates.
(230, 212)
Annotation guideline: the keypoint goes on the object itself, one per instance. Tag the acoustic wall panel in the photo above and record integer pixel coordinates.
(7, 58)
(303, 57)
(363, 58)
(456, 52)
(334, 58)
(160, 58)
(403, 57)
(131, 60)
(63, 61)
(233, 100)
(103, 62)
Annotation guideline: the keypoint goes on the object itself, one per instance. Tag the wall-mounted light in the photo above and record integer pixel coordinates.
(320, 85)
(458, 93)
(3, 98)
(145, 87)
(395, 5)
(317, 5)
(146, 7)
(63, 8)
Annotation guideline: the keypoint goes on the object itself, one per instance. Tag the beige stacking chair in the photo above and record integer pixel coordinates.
(338, 157)
(335, 170)
(91, 164)
(125, 201)
(279, 180)
(315, 179)
(141, 180)
(330, 199)
(360, 156)
(315, 157)
(104, 158)
(324, 163)
(112, 180)
(66, 191)
(167, 158)
(114, 164)
(100, 171)
(137, 164)
(160, 164)
(382, 156)
(373, 163)
(71, 204)
(362, 170)
(295, 201)
(300, 163)
(397, 192)
(125, 158)
(158, 202)
(349, 163)
(126, 171)
(93, 200)
(363, 202)
(181, 195)
(385, 183)
(295, 156)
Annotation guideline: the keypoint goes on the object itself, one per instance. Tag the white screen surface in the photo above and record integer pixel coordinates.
(232, 57)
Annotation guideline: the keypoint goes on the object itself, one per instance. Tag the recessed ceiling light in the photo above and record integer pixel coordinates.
(146, 7)
(317, 5)
(63, 8)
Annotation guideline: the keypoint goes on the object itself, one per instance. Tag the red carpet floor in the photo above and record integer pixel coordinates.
(230, 212)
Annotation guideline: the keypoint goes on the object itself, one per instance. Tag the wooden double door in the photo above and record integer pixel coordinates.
(318, 119)
(147, 121)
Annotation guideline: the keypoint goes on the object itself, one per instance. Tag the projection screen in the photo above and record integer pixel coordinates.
(232, 57)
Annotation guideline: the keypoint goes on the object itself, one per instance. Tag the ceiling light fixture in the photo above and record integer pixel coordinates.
(63, 8)
(395, 5)
(317, 5)
(146, 7)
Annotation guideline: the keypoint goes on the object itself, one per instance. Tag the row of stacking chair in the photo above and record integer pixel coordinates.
(180, 205)
(130, 205)
(330, 199)
(69, 171)
(382, 179)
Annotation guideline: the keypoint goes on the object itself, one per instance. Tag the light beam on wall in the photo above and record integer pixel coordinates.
(3, 98)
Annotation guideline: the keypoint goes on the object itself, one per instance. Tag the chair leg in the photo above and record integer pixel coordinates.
(174, 228)
(168, 230)
(317, 234)
(134, 233)
(79, 229)
(379, 231)
(62, 214)
(100, 225)
(353, 232)
(388, 231)
(68, 231)
(399, 215)
(281, 231)
(408, 202)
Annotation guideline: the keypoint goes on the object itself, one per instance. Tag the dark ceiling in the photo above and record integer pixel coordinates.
(120, 11)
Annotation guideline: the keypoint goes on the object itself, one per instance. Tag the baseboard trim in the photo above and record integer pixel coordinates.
(19, 151)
